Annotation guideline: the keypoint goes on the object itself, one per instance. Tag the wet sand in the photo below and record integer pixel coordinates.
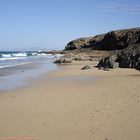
(68, 105)
(17, 76)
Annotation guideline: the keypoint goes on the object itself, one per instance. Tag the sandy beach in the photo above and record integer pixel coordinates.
(73, 104)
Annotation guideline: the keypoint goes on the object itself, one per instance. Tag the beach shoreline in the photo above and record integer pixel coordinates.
(21, 75)
(59, 105)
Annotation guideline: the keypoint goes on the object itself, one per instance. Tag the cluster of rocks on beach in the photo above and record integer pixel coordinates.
(114, 49)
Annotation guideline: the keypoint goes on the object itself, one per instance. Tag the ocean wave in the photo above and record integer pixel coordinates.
(20, 64)
(6, 55)
(26, 54)
(19, 55)
(11, 58)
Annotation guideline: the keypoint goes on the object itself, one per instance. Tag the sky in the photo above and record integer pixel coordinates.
(51, 24)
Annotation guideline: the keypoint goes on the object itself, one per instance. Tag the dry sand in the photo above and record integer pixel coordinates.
(71, 104)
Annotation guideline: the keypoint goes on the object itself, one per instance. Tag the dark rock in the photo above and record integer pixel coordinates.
(79, 43)
(91, 59)
(137, 63)
(57, 61)
(123, 60)
(53, 52)
(101, 68)
(138, 66)
(79, 59)
(128, 60)
(117, 40)
(123, 44)
(86, 67)
(108, 62)
(101, 63)
(63, 60)
(106, 69)
(114, 40)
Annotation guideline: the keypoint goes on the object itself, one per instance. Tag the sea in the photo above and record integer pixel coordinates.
(16, 67)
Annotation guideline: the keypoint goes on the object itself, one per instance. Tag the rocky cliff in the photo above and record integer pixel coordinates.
(114, 40)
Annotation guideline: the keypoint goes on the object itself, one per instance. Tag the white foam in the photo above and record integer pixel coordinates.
(11, 58)
(8, 66)
(34, 54)
(19, 54)
(41, 54)
(6, 55)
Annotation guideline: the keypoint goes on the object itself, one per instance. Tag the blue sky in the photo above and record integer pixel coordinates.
(51, 24)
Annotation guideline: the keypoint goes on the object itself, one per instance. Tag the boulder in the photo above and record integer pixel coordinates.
(123, 60)
(101, 68)
(86, 67)
(128, 60)
(137, 65)
(115, 65)
(63, 60)
(106, 69)
(101, 63)
(108, 62)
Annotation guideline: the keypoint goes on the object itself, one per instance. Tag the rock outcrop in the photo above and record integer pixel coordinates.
(108, 62)
(63, 60)
(114, 40)
(79, 43)
(122, 60)
(128, 60)
(122, 46)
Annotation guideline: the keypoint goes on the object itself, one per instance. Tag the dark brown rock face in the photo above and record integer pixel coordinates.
(114, 40)
(108, 62)
(129, 60)
(122, 59)
(78, 43)
(118, 40)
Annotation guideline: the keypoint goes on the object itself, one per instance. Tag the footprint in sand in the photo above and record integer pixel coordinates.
(44, 123)
(31, 132)
(90, 120)
(121, 126)
(96, 111)
(91, 131)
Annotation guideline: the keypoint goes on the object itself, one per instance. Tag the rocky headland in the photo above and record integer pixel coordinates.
(114, 40)
(119, 48)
